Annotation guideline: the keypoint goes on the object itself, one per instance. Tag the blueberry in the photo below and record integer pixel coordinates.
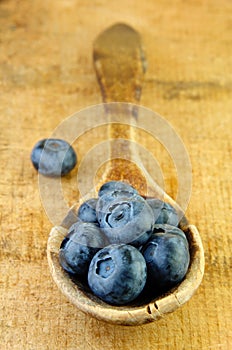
(110, 197)
(116, 186)
(117, 274)
(53, 157)
(125, 219)
(77, 249)
(165, 228)
(87, 210)
(167, 257)
(164, 213)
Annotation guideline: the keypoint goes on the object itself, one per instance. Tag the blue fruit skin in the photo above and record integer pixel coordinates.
(125, 219)
(167, 257)
(116, 186)
(77, 249)
(165, 228)
(117, 274)
(53, 157)
(87, 211)
(164, 213)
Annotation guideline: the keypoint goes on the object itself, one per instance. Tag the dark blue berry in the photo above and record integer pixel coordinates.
(116, 186)
(117, 274)
(125, 219)
(165, 228)
(53, 157)
(164, 213)
(87, 211)
(77, 249)
(167, 257)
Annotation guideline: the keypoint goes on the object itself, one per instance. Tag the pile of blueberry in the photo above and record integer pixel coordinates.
(125, 246)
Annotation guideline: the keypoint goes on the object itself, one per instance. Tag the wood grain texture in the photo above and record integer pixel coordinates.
(120, 63)
(46, 74)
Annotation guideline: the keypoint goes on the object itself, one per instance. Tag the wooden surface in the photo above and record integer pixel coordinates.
(46, 74)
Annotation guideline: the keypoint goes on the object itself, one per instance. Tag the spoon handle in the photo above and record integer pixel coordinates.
(119, 63)
(120, 66)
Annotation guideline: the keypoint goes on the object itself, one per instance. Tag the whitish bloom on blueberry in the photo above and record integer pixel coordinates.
(165, 228)
(167, 257)
(82, 242)
(53, 157)
(87, 210)
(117, 274)
(116, 186)
(164, 213)
(125, 219)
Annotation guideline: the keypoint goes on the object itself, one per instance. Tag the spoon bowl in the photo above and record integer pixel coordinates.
(80, 295)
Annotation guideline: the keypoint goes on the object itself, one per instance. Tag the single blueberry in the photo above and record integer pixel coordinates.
(164, 213)
(167, 257)
(87, 210)
(108, 198)
(117, 274)
(53, 157)
(116, 186)
(125, 219)
(77, 249)
(165, 228)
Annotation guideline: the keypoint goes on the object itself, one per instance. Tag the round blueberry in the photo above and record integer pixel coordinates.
(165, 228)
(108, 198)
(167, 257)
(117, 274)
(77, 249)
(53, 157)
(116, 186)
(125, 219)
(164, 213)
(87, 211)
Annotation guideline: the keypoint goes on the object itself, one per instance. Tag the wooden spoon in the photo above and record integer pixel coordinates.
(120, 66)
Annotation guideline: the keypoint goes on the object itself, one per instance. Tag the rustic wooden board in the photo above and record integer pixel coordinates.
(46, 74)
